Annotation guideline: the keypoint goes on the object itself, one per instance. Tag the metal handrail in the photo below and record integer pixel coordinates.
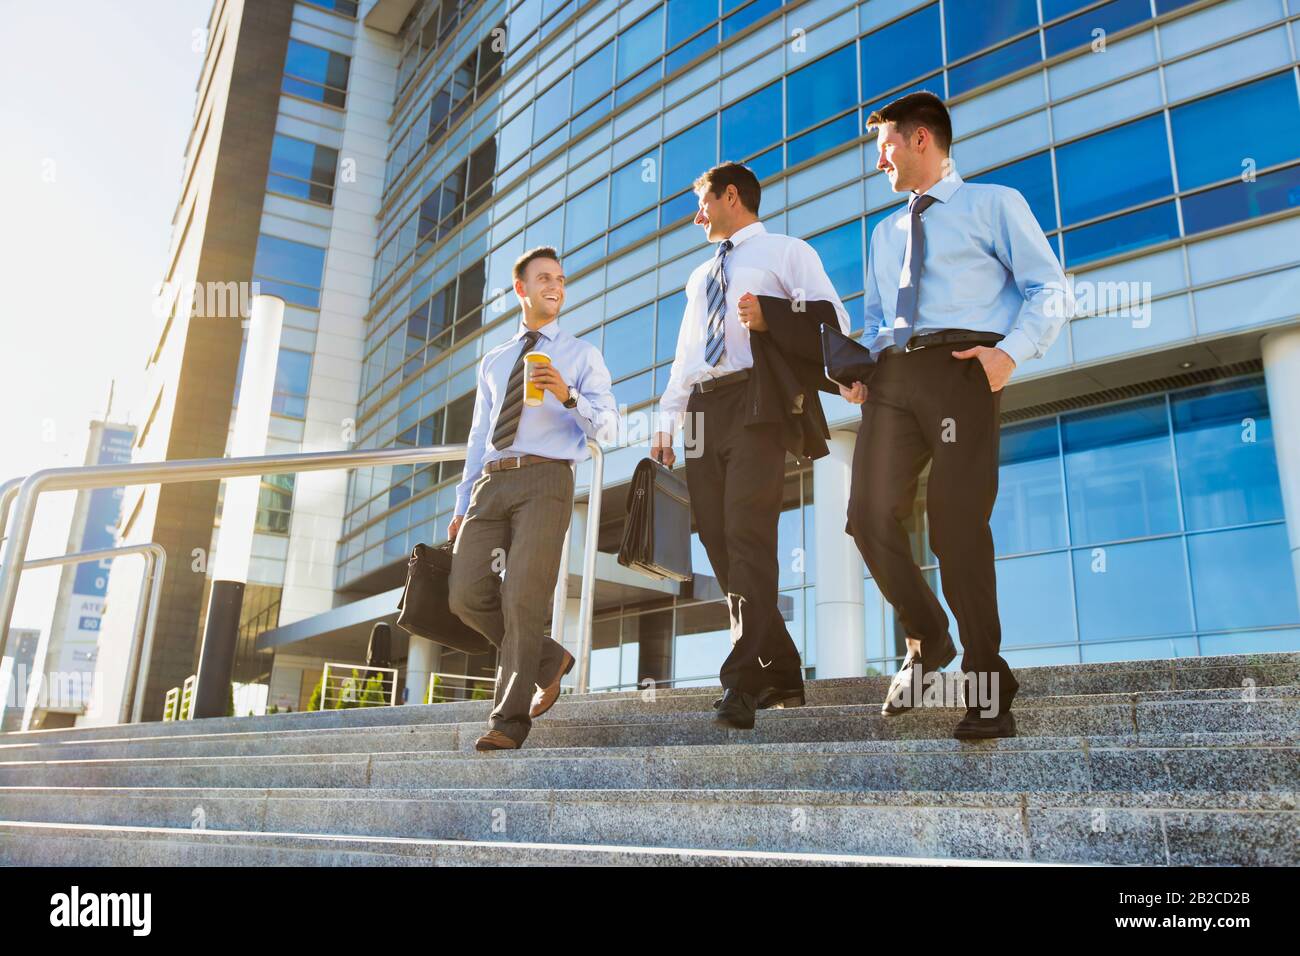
(146, 614)
(429, 688)
(362, 671)
(29, 489)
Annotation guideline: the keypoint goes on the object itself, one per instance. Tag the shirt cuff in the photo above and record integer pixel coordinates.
(1019, 346)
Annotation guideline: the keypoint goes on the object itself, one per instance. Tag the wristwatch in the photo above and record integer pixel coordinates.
(572, 400)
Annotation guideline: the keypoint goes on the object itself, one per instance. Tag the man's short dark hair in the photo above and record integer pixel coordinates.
(537, 252)
(717, 179)
(921, 108)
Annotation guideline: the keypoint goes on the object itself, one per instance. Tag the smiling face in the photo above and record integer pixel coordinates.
(717, 214)
(898, 156)
(541, 290)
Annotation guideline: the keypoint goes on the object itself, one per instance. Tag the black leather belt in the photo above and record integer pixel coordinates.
(947, 337)
(722, 381)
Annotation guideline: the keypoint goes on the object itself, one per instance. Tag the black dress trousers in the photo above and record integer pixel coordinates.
(926, 407)
(736, 485)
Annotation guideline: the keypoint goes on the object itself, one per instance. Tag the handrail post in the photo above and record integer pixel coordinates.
(15, 551)
(132, 709)
(587, 605)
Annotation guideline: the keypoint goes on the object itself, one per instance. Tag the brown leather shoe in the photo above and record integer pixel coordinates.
(495, 740)
(544, 699)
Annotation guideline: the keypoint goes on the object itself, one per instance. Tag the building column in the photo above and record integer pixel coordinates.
(1281, 351)
(841, 627)
(421, 661)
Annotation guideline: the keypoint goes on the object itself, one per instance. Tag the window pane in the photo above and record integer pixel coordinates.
(688, 154)
(820, 90)
(685, 17)
(1109, 17)
(909, 48)
(994, 65)
(1029, 514)
(976, 24)
(633, 231)
(702, 641)
(1243, 578)
(751, 124)
(1142, 591)
(840, 250)
(1213, 137)
(767, 164)
(290, 261)
(594, 76)
(705, 42)
(629, 342)
(823, 138)
(317, 64)
(634, 187)
(1239, 201)
(671, 310)
(1033, 178)
(1121, 234)
(587, 215)
(551, 109)
(640, 44)
(1034, 600)
(1119, 472)
(751, 14)
(1086, 170)
(1227, 468)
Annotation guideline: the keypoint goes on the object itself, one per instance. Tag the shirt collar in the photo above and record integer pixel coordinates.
(549, 331)
(943, 190)
(755, 228)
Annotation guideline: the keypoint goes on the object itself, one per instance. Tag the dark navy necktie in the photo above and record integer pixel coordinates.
(909, 285)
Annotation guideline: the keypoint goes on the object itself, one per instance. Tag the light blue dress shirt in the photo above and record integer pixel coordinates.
(547, 429)
(987, 267)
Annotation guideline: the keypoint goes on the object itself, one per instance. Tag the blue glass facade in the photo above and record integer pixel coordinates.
(1153, 136)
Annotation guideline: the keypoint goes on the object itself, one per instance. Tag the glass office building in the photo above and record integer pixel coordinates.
(1148, 504)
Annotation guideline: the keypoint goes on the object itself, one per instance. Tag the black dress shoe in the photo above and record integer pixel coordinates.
(975, 727)
(907, 686)
(779, 697)
(736, 710)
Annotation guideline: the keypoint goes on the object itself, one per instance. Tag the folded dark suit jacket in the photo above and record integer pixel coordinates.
(788, 373)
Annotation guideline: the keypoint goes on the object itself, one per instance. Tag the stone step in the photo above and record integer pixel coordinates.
(1272, 710)
(1244, 673)
(1159, 762)
(46, 844)
(1189, 829)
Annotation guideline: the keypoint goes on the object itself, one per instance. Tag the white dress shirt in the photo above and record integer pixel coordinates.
(548, 429)
(987, 268)
(761, 262)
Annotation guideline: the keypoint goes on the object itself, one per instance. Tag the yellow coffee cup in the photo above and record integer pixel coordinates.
(533, 394)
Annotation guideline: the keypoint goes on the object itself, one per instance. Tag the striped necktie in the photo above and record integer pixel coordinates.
(909, 287)
(715, 285)
(507, 426)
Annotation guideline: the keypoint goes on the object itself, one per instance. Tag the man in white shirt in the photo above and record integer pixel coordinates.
(747, 370)
(516, 496)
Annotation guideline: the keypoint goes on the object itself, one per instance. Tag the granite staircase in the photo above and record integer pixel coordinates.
(1164, 762)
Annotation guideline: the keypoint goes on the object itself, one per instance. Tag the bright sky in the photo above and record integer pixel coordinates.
(96, 100)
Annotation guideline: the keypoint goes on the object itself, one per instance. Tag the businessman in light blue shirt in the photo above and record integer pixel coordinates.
(516, 496)
(962, 288)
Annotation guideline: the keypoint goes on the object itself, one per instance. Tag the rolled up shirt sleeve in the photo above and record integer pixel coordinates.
(808, 280)
(596, 410)
(1022, 248)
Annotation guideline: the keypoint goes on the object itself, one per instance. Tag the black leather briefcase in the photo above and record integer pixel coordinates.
(423, 609)
(657, 537)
